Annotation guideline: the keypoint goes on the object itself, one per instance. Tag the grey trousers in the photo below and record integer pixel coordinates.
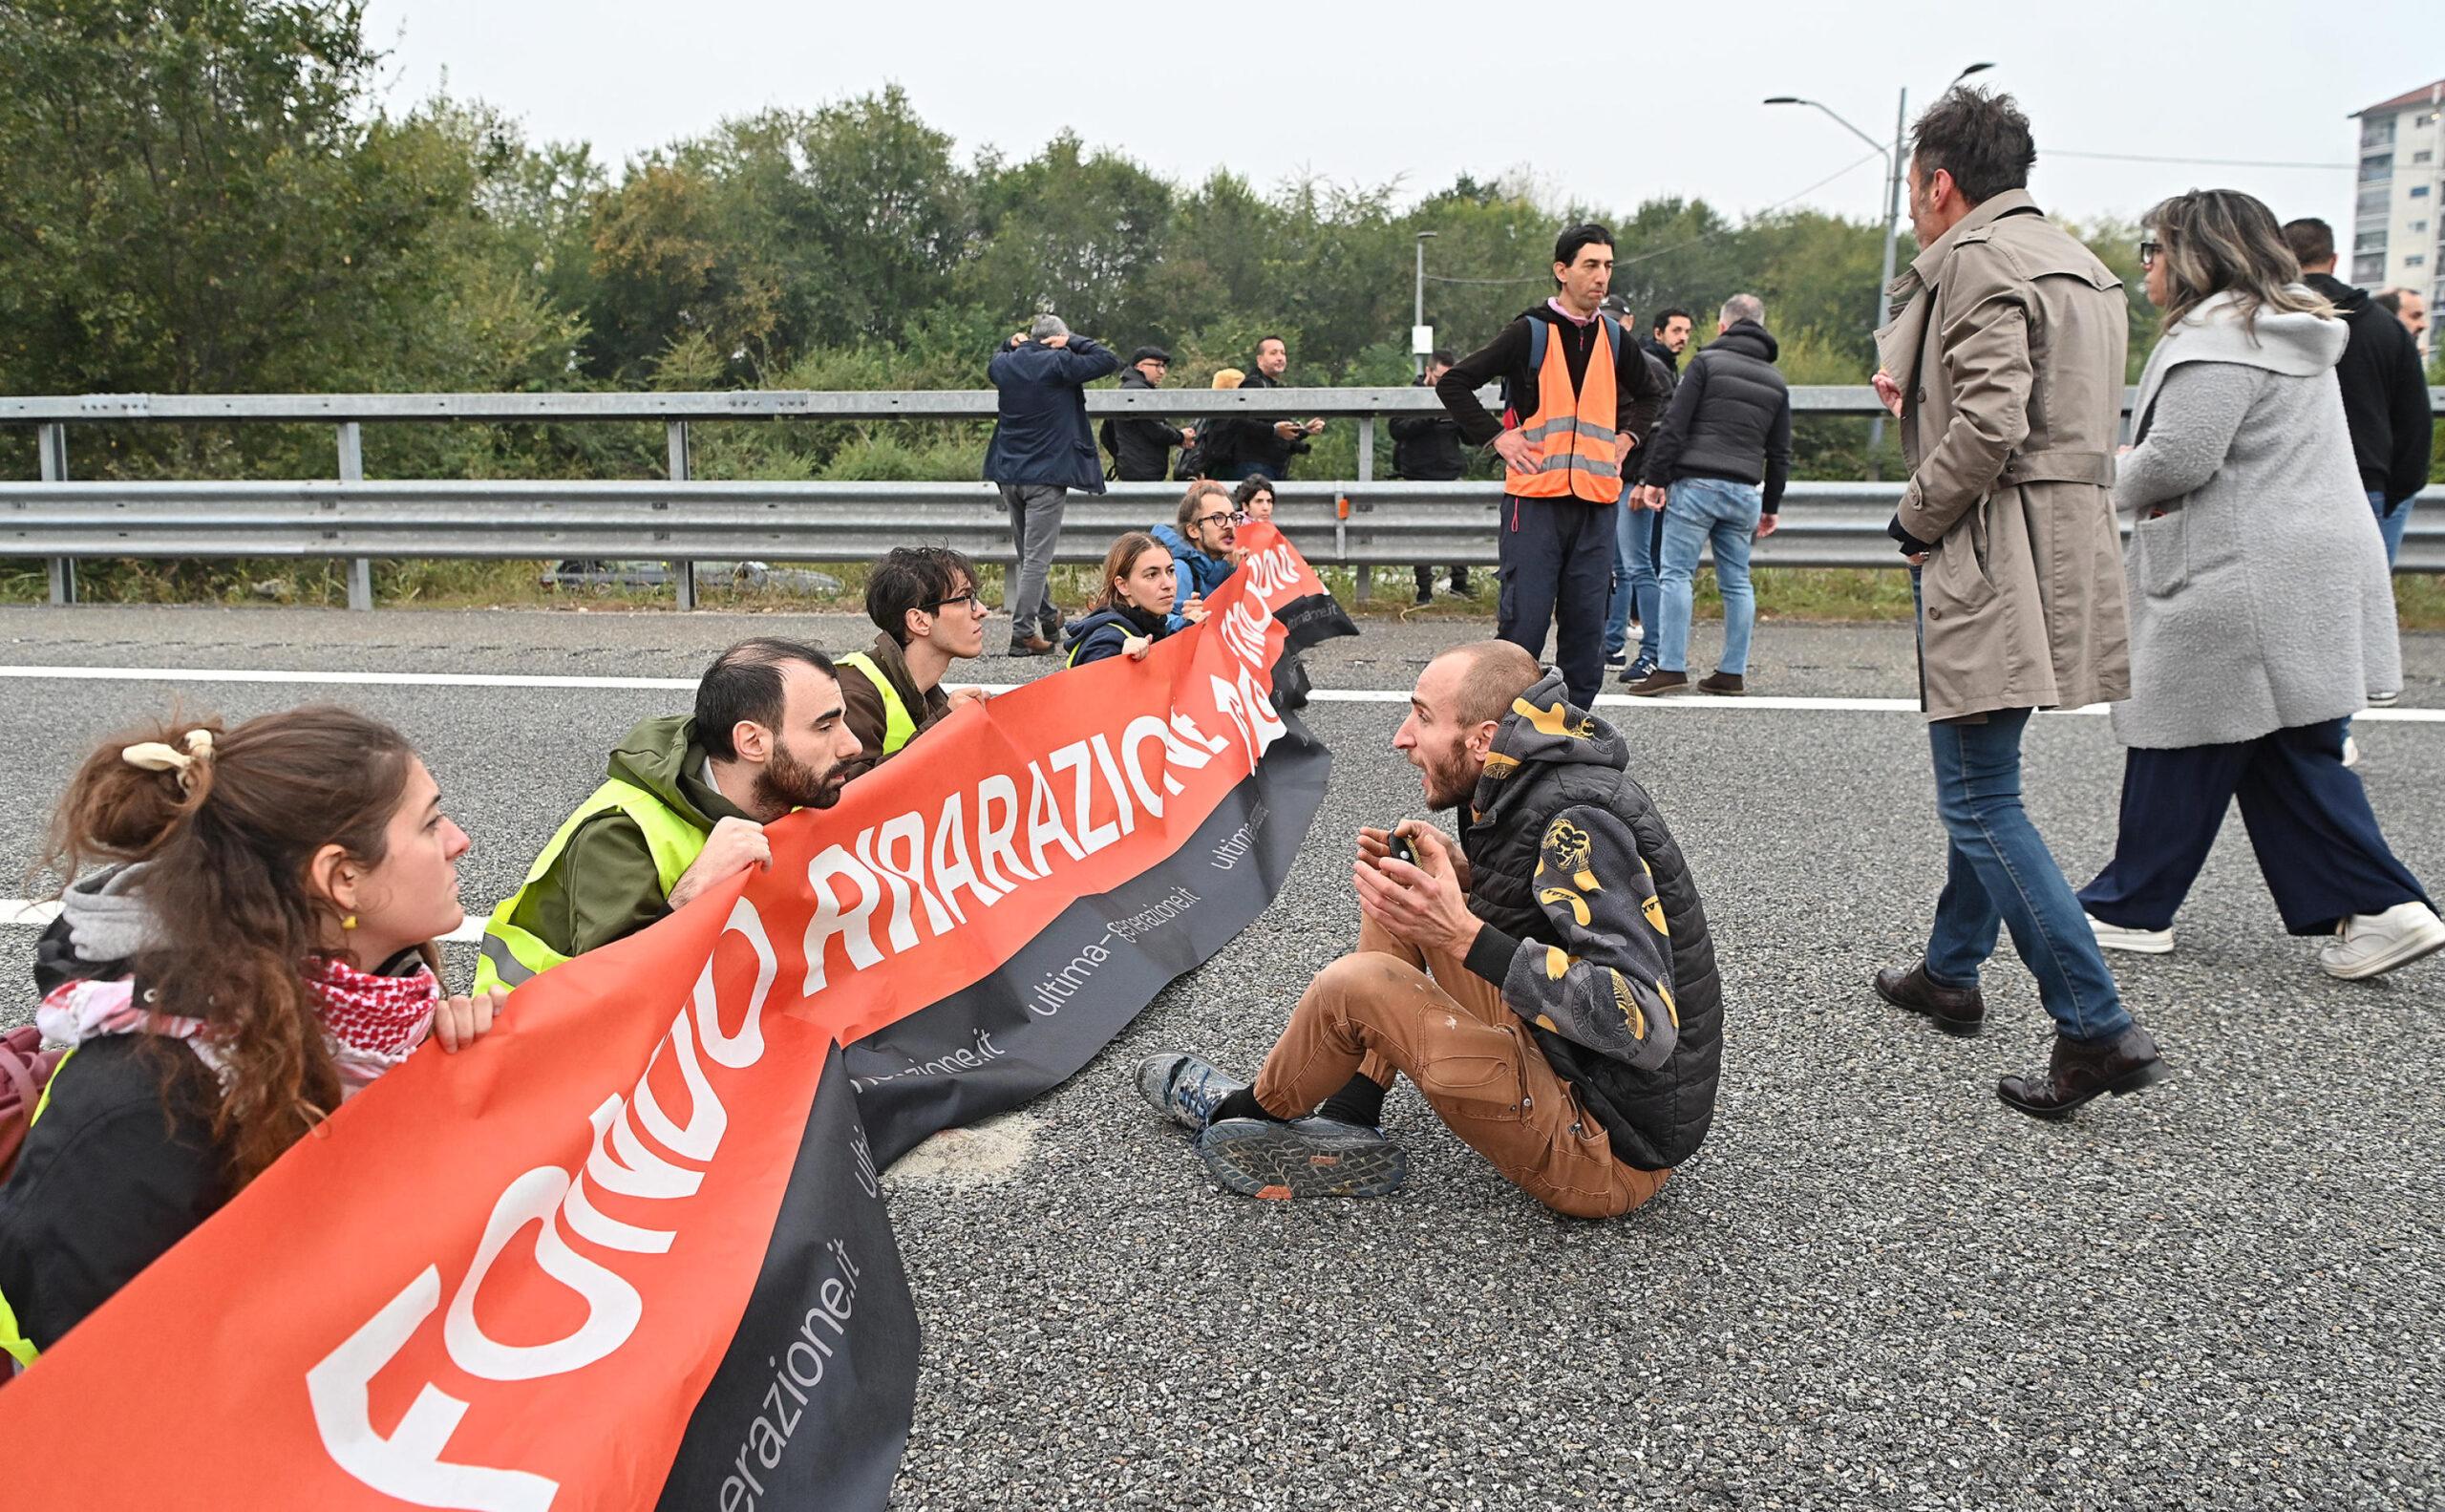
(1035, 530)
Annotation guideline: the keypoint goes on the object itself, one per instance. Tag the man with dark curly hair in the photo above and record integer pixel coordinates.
(1547, 984)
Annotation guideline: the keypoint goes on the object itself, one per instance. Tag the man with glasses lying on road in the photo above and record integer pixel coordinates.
(925, 601)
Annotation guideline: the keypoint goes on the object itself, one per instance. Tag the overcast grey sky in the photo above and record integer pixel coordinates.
(1424, 91)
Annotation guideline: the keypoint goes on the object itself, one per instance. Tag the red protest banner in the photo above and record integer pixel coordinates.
(509, 1280)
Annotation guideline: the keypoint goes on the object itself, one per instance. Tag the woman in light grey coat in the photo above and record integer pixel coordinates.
(2262, 609)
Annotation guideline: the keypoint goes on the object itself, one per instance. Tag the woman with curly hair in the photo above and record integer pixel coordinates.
(258, 948)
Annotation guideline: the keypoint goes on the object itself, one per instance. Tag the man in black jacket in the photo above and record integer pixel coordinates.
(1425, 449)
(1268, 445)
(1639, 535)
(1142, 444)
(2385, 393)
(1548, 984)
(1716, 471)
(1562, 490)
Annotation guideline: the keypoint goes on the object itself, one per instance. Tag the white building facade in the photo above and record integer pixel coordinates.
(2398, 222)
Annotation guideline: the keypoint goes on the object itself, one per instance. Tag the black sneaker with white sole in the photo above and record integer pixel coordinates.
(1305, 1158)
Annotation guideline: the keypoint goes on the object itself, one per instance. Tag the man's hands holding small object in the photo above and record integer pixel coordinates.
(1420, 900)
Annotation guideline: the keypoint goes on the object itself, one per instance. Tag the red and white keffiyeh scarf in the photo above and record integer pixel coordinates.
(369, 1021)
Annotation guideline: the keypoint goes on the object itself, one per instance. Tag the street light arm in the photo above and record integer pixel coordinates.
(1882, 149)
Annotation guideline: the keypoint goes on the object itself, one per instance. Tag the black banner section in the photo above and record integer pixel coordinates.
(1048, 1012)
(810, 1404)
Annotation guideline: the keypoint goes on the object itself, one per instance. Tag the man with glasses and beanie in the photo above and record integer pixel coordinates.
(2004, 365)
(923, 600)
(1141, 445)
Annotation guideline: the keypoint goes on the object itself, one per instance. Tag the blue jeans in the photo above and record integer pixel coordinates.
(2390, 524)
(1998, 873)
(1699, 511)
(1633, 579)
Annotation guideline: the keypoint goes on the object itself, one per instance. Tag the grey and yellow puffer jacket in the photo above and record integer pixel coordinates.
(1589, 904)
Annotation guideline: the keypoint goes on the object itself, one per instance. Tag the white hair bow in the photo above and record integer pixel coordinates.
(155, 757)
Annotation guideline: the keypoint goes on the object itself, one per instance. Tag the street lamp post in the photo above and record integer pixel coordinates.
(1418, 308)
(1894, 162)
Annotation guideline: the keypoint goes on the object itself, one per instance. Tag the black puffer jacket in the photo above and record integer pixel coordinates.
(1730, 418)
(1563, 759)
(1140, 444)
(1426, 448)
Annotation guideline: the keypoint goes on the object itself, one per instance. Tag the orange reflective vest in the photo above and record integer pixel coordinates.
(1570, 435)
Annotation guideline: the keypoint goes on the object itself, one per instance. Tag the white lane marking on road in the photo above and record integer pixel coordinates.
(36, 913)
(1753, 702)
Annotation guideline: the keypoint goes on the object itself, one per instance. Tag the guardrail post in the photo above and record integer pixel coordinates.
(51, 440)
(1365, 474)
(683, 574)
(360, 571)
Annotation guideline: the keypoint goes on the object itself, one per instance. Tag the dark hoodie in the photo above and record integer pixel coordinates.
(1140, 444)
(1593, 928)
(1730, 418)
(2384, 393)
(603, 887)
(1094, 636)
(1638, 393)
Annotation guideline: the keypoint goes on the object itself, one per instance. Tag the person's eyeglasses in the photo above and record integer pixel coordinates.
(972, 599)
(2149, 252)
(1207, 520)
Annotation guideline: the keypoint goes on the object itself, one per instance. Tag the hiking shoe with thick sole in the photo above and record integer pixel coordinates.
(1306, 1158)
(1184, 1088)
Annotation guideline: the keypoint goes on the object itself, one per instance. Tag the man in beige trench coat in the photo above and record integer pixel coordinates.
(2004, 366)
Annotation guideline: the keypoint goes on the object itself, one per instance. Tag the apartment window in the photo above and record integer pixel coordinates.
(2416, 260)
(2416, 226)
(2419, 192)
(2373, 201)
(2373, 169)
(2423, 156)
(2369, 241)
(2377, 133)
(2366, 269)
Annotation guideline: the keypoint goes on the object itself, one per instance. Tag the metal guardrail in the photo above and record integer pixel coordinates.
(1359, 522)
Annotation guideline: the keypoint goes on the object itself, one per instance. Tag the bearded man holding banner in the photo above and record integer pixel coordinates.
(1550, 987)
(682, 805)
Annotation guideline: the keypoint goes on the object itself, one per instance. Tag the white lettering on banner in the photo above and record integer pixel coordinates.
(408, 1464)
(638, 1151)
(797, 1370)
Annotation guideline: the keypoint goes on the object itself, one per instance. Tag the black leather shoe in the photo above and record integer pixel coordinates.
(1956, 1010)
(2080, 1068)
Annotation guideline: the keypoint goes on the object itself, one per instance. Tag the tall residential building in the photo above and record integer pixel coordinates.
(2399, 223)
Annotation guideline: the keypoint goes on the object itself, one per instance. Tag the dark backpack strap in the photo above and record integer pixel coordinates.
(1613, 337)
(1538, 330)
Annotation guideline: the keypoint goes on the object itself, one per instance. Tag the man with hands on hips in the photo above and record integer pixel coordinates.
(1547, 984)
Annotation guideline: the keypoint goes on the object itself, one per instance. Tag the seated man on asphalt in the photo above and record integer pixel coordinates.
(924, 599)
(1201, 538)
(684, 806)
(1550, 988)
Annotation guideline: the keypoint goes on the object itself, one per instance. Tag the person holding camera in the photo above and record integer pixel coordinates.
(1267, 446)
(1547, 984)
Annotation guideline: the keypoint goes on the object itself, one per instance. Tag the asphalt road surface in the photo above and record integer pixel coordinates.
(1875, 1286)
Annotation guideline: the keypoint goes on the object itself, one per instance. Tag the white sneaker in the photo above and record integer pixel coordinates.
(2138, 942)
(2350, 752)
(2374, 944)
